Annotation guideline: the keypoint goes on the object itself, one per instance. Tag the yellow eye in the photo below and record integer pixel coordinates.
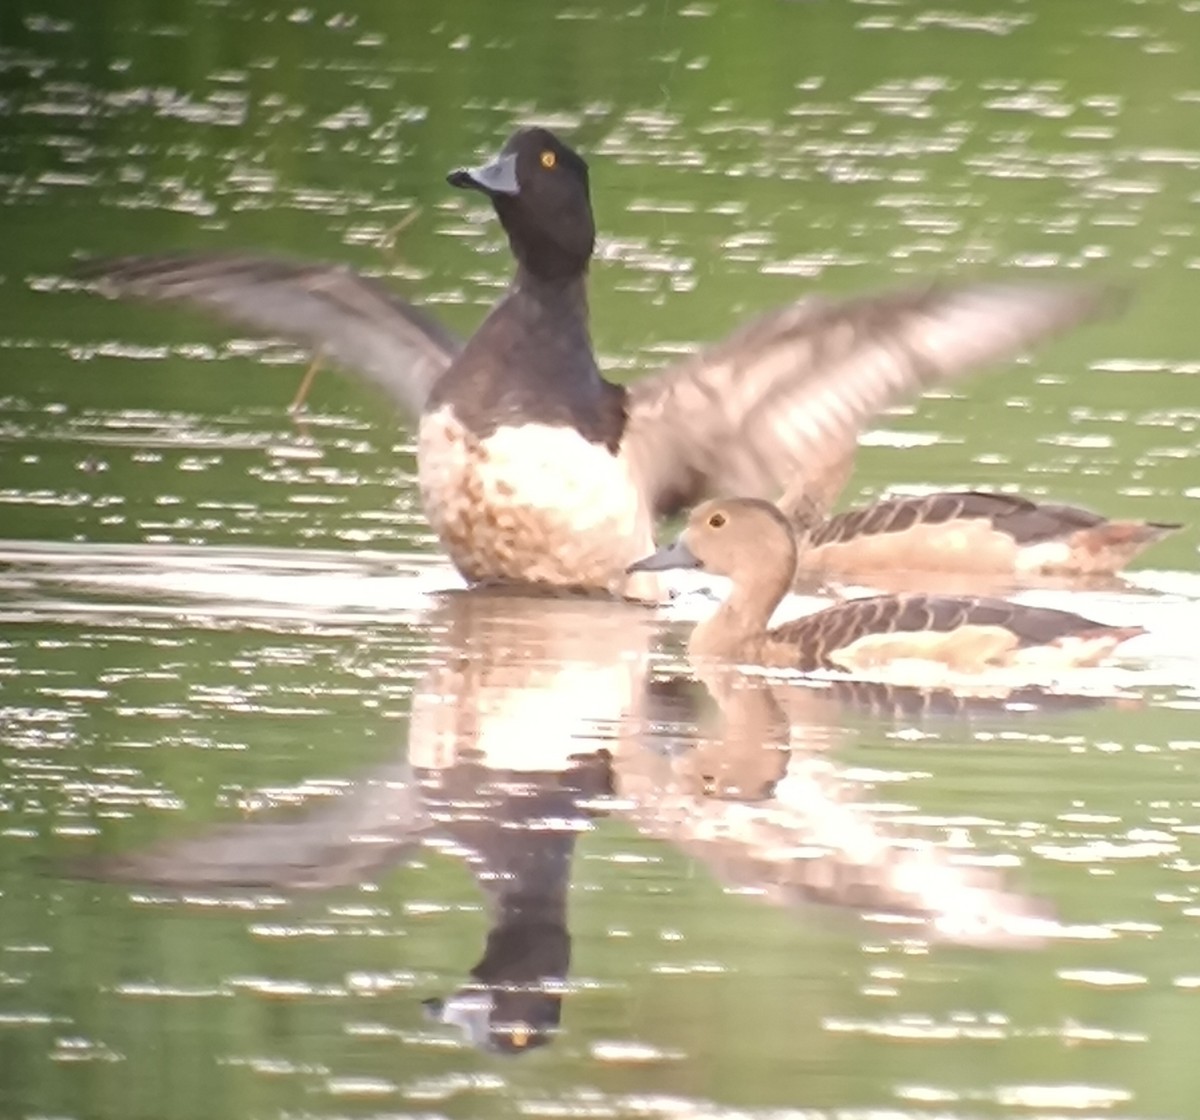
(716, 521)
(549, 159)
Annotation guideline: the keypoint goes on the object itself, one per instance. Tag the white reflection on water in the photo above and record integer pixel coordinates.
(845, 177)
(526, 685)
(229, 583)
(281, 585)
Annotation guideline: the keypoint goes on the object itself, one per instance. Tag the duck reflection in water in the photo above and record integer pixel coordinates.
(539, 717)
(517, 831)
(512, 740)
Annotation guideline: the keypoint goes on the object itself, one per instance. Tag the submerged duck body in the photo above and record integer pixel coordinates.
(532, 466)
(975, 532)
(751, 542)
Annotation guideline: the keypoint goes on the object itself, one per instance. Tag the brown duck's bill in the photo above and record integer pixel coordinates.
(676, 555)
(497, 177)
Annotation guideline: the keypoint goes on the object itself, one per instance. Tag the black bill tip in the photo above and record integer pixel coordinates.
(497, 177)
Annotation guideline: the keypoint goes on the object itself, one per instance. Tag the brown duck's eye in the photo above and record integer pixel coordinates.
(549, 159)
(716, 521)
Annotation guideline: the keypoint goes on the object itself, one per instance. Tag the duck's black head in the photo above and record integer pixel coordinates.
(539, 188)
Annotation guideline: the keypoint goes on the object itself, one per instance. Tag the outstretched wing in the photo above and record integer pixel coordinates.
(347, 318)
(778, 406)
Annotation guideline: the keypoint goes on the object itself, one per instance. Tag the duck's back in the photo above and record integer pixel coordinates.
(962, 632)
(977, 532)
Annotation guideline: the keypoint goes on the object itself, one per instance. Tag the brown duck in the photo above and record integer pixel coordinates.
(751, 542)
(971, 531)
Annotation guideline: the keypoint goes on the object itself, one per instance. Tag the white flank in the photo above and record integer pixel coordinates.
(1047, 557)
(531, 502)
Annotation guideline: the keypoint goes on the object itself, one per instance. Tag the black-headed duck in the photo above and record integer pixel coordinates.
(533, 466)
(752, 543)
(976, 533)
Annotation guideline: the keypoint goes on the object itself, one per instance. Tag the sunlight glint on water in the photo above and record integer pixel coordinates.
(222, 631)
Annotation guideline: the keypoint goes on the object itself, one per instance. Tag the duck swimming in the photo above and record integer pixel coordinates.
(534, 467)
(751, 542)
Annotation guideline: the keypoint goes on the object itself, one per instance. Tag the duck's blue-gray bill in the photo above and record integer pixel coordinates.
(676, 555)
(497, 177)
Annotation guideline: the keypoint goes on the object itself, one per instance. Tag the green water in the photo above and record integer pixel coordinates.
(210, 616)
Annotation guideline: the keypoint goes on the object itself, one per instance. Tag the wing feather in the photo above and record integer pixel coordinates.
(344, 316)
(778, 406)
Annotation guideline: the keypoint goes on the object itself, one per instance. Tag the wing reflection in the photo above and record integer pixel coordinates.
(538, 716)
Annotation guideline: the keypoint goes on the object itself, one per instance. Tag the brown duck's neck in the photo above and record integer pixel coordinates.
(740, 623)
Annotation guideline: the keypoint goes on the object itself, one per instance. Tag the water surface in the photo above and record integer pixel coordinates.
(231, 654)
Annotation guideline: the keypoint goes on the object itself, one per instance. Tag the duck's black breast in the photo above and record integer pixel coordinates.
(531, 363)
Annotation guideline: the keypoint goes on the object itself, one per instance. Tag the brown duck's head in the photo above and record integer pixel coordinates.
(746, 539)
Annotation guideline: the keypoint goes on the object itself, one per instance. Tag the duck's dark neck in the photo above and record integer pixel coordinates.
(553, 339)
(566, 294)
(556, 249)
